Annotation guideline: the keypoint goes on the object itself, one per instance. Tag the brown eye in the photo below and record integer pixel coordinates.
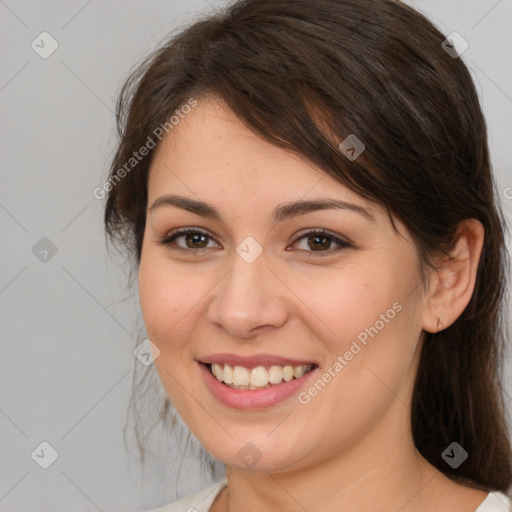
(321, 241)
(193, 239)
(196, 240)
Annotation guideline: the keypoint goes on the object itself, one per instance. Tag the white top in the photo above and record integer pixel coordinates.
(202, 501)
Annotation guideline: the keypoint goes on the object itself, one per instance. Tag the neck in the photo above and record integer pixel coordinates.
(378, 472)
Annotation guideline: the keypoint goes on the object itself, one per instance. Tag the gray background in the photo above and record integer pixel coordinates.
(69, 325)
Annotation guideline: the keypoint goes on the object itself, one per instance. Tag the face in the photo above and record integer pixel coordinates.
(251, 283)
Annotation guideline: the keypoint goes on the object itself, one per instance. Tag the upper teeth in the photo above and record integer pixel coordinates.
(251, 378)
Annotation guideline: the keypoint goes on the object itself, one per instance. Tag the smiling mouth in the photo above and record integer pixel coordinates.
(260, 377)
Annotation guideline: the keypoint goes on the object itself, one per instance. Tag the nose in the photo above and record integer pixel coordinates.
(249, 299)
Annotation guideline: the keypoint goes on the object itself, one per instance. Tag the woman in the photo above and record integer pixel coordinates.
(306, 190)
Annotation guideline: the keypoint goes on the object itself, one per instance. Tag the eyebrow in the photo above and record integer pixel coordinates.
(280, 213)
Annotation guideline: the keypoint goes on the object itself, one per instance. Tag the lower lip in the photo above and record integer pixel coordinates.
(253, 398)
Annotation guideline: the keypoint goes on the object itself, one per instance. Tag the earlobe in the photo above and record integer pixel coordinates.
(453, 282)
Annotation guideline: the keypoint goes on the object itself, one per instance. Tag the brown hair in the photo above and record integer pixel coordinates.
(298, 72)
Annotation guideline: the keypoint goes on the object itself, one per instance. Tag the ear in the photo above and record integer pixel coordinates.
(452, 284)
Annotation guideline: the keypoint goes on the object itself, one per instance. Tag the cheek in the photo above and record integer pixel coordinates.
(374, 327)
(368, 316)
(347, 302)
(165, 298)
(167, 301)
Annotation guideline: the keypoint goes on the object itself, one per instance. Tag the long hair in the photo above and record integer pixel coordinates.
(305, 75)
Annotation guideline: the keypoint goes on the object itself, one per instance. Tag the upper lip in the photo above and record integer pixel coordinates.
(253, 361)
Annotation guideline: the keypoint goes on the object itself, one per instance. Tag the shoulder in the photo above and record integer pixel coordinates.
(197, 502)
(496, 502)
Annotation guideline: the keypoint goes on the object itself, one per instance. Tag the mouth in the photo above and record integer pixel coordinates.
(255, 382)
(259, 377)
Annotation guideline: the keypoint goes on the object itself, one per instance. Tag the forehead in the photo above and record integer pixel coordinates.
(212, 141)
(211, 150)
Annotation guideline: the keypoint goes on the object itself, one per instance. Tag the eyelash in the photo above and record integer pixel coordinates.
(169, 239)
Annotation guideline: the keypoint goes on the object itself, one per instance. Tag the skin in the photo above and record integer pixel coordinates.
(350, 447)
